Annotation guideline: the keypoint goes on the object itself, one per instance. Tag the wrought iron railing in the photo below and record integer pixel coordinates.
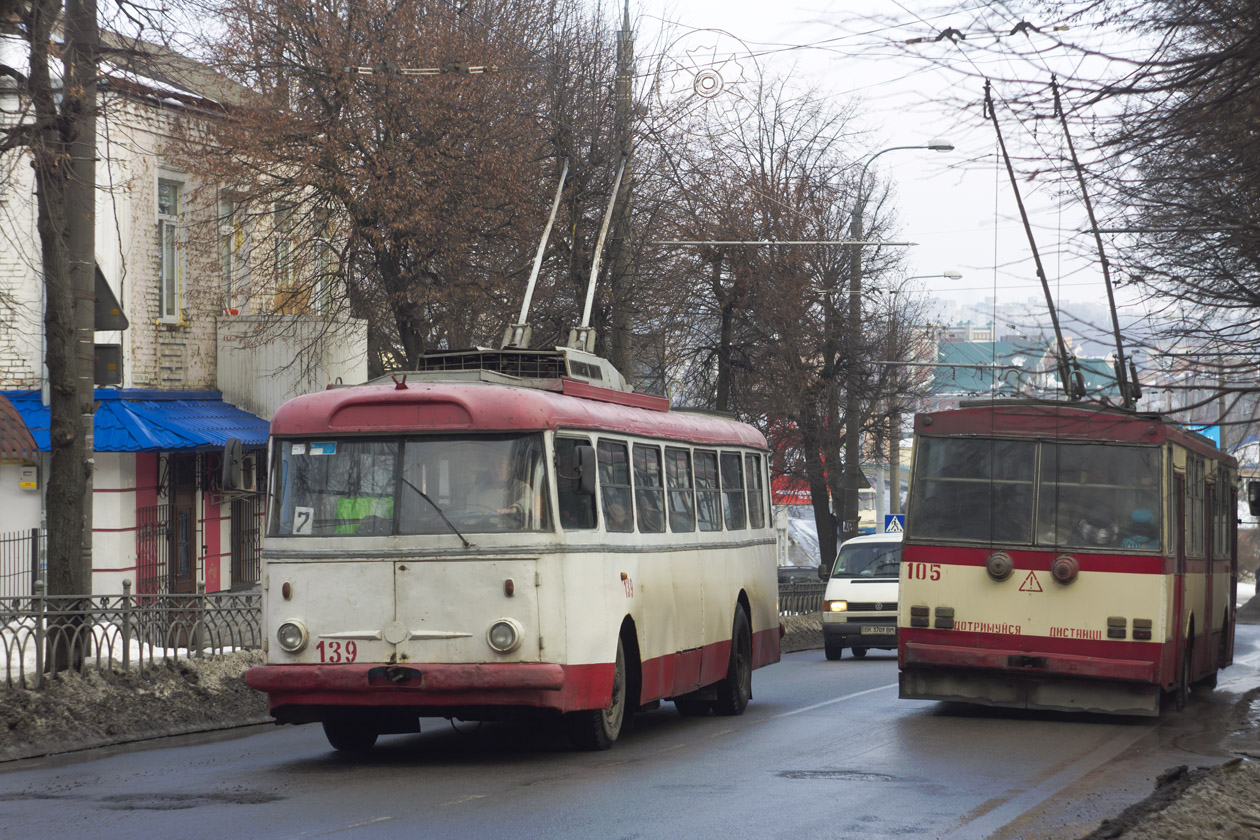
(801, 597)
(21, 561)
(43, 634)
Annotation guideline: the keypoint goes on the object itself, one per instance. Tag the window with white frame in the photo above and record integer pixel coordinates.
(231, 251)
(170, 251)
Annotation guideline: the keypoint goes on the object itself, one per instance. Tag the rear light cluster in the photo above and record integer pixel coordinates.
(1116, 628)
(920, 616)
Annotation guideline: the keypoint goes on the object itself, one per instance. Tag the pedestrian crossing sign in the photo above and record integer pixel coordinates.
(894, 523)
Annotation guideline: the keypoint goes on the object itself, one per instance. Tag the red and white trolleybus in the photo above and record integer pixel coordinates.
(511, 533)
(1061, 556)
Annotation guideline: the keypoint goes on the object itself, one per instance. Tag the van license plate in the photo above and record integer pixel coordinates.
(878, 629)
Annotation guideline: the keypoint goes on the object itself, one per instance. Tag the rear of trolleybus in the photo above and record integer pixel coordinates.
(448, 548)
(1060, 557)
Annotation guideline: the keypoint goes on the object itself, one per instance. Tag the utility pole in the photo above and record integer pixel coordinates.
(621, 275)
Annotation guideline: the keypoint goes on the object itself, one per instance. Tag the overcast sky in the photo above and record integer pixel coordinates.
(958, 206)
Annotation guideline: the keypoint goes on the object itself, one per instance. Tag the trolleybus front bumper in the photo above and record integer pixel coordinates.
(1029, 680)
(525, 685)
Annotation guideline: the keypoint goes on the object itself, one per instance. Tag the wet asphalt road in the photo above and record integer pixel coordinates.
(825, 750)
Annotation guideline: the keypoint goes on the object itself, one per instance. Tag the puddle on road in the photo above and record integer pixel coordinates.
(835, 775)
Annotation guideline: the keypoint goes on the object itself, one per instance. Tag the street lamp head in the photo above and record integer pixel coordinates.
(939, 145)
(952, 275)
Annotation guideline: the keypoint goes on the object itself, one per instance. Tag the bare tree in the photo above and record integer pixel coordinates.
(764, 331)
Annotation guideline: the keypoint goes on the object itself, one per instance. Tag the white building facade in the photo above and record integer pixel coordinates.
(161, 517)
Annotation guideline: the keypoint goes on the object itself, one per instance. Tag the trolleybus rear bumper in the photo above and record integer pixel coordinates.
(531, 685)
(1029, 680)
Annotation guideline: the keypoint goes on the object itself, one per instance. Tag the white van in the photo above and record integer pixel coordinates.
(860, 603)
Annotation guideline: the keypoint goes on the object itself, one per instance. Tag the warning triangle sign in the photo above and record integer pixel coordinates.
(1030, 584)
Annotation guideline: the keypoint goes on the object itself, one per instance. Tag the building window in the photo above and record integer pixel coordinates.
(170, 252)
(231, 253)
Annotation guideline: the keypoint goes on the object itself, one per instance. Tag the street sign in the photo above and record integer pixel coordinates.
(894, 523)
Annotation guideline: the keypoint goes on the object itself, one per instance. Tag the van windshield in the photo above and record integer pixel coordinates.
(870, 560)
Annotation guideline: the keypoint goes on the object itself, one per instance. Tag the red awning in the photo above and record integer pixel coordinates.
(16, 443)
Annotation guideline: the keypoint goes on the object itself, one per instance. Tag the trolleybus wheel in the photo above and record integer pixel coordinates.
(832, 652)
(735, 689)
(350, 735)
(859, 653)
(1181, 695)
(692, 707)
(597, 729)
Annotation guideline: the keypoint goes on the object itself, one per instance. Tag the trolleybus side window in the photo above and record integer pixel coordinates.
(973, 489)
(682, 506)
(577, 509)
(1222, 500)
(733, 491)
(1099, 495)
(614, 486)
(707, 493)
(649, 490)
(756, 497)
(1195, 500)
(329, 488)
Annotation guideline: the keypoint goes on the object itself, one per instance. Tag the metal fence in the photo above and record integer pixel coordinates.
(801, 597)
(21, 561)
(109, 632)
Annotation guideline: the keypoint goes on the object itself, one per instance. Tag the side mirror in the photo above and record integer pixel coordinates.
(1253, 497)
(587, 469)
(824, 571)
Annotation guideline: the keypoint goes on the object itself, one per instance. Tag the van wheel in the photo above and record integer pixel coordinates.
(735, 689)
(832, 652)
(597, 729)
(859, 653)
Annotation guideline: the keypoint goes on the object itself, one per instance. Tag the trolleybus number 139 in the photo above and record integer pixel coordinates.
(335, 652)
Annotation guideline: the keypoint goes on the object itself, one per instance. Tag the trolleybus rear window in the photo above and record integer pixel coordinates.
(1088, 496)
(411, 486)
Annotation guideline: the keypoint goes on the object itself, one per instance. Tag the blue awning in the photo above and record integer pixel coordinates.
(143, 420)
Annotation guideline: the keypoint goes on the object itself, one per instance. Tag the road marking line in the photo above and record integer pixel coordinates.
(671, 749)
(469, 798)
(351, 827)
(835, 700)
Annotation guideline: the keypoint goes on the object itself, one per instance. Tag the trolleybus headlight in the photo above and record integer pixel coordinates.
(835, 606)
(1064, 569)
(504, 635)
(999, 565)
(292, 636)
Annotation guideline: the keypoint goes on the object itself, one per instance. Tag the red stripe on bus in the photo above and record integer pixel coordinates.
(1030, 560)
(532, 685)
(678, 673)
(565, 688)
(1031, 655)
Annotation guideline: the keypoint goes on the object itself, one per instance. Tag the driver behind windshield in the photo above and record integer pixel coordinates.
(497, 490)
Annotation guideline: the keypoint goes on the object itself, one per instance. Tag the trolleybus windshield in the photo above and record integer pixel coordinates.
(1046, 493)
(414, 485)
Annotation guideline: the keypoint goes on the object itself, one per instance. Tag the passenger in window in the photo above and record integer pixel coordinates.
(1143, 531)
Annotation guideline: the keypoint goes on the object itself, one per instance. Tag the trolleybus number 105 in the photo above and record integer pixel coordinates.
(923, 571)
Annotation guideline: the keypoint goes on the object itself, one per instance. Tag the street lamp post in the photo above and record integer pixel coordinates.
(853, 409)
(894, 413)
